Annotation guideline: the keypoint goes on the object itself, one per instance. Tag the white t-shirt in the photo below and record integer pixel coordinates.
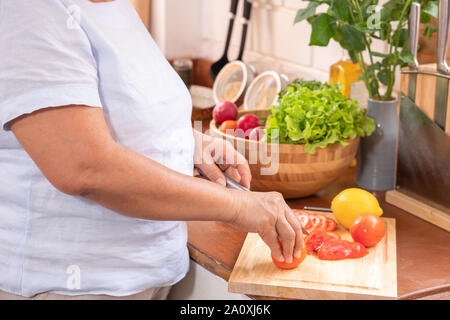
(62, 52)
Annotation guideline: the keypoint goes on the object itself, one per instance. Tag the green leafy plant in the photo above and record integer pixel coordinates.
(317, 115)
(355, 24)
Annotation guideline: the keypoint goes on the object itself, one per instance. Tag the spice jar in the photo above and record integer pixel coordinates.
(184, 69)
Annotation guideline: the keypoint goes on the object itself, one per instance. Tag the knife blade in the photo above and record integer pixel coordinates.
(414, 19)
(233, 184)
(440, 107)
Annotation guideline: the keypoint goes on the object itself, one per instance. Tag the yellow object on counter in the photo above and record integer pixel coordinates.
(352, 202)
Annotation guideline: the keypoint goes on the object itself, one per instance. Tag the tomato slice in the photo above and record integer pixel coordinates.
(316, 222)
(304, 219)
(341, 249)
(323, 221)
(299, 211)
(334, 250)
(358, 250)
(331, 225)
(317, 238)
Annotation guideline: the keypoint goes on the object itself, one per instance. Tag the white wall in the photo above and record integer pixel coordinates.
(198, 28)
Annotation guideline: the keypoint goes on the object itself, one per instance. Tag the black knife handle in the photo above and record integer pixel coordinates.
(245, 20)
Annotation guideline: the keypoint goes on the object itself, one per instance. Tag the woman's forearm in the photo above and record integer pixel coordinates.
(137, 186)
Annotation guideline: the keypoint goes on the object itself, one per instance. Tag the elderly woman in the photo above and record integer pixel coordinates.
(97, 158)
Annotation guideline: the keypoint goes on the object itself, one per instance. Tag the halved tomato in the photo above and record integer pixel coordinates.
(295, 261)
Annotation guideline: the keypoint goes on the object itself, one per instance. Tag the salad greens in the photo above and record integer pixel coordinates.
(317, 115)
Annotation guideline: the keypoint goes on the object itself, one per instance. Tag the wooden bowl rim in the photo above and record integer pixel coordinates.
(298, 147)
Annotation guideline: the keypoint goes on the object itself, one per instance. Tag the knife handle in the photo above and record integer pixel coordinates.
(414, 19)
(442, 35)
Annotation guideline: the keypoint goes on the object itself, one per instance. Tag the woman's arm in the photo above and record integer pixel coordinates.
(74, 150)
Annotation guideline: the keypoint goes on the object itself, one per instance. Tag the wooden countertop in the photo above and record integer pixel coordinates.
(423, 250)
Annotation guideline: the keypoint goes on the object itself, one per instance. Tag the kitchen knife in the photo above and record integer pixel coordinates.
(440, 107)
(317, 209)
(233, 184)
(414, 19)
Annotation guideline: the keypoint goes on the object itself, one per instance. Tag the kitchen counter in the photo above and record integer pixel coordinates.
(423, 249)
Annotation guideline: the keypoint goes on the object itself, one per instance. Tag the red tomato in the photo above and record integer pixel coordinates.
(295, 261)
(368, 229)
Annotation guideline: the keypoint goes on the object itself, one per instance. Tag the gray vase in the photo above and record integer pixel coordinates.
(377, 154)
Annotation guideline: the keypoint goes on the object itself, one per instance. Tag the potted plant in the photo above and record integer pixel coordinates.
(355, 25)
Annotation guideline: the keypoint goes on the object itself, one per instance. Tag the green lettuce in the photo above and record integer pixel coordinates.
(317, 115)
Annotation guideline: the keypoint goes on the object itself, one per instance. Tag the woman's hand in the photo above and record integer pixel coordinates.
(268, 214)
(214, 155)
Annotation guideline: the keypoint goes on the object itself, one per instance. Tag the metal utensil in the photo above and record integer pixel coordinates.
(245, 20)
(440, 107)
(317, 209)
(233, 184)
(218, 65)
(414, 22)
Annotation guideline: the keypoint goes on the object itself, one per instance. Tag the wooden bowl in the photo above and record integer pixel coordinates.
(299, 174)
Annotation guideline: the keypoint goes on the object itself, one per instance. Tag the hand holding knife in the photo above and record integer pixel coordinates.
(233, 184)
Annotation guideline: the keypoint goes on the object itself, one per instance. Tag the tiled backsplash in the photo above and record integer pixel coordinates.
(273, 40)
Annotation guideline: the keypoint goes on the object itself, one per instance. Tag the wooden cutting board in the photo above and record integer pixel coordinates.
(371, 277)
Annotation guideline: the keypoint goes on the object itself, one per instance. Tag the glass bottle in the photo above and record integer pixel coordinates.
(345, 72)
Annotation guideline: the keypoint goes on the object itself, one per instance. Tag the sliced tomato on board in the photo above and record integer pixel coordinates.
(304, 220)
(317, 238)
(299, 212)
(323, 221)
(339, 249)
(316, 222)
(331, 225)
(358, 250)
(311, 221)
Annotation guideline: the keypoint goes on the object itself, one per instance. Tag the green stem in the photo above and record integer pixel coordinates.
(364, 72)
(377, 87)
(394, 46)
(361, 59)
